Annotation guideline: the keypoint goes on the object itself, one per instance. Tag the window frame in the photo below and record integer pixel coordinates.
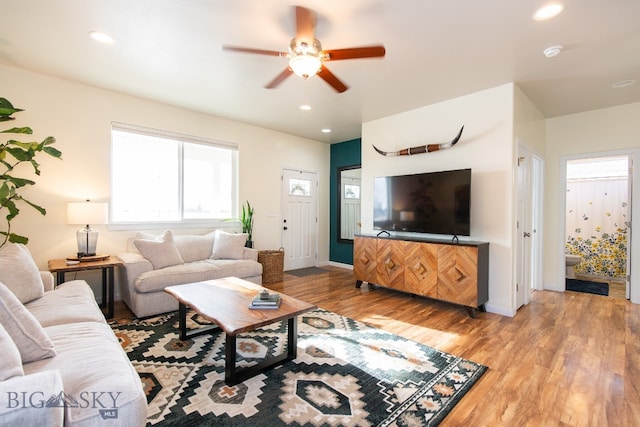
(231, 222)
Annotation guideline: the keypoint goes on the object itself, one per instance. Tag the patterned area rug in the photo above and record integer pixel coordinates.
(345, 374)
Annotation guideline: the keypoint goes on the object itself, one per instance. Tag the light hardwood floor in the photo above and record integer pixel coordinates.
(566, 359)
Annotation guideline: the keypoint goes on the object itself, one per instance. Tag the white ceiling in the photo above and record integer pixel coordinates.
(171, 51)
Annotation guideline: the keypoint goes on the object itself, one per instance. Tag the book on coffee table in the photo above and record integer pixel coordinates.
(265, 302)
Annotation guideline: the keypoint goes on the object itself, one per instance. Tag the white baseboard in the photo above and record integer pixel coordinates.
(337, 264)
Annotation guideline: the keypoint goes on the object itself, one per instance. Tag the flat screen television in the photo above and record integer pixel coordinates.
(432, 202)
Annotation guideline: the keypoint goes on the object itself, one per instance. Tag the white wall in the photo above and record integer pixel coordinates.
(80, 116)
(486, 147)
(593, 132)
(529, 123)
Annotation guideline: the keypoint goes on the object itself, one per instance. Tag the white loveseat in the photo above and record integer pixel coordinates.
(61, 363)
(154, 262)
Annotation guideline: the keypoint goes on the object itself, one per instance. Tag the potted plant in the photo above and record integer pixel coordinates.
(13, 153)
(247, 223)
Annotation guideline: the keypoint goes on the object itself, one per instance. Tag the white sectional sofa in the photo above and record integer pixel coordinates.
(154, 262)
(61, 363)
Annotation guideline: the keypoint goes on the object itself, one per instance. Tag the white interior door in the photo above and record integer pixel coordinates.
(299, 219)
(523, 228)
(537, 187)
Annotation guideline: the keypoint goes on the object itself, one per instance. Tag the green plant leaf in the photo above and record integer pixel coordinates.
(23, 130)
(6, 105)
(36, 207)
(24, 145)
(17, 182)
(52, 152)
(13, 153)
(20, 154)
(15, 238)
(4, 191)
(36, 166)
(12, 208)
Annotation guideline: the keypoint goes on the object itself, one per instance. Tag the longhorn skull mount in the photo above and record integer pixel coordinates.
(422, 148)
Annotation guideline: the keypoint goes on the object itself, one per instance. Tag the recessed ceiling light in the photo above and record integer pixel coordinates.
(552, 51)
(548, 11)
(101, 37)
(623, 83)
(305, 107)
(326, 130)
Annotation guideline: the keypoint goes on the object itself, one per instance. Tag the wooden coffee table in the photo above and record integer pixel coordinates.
(226, 303)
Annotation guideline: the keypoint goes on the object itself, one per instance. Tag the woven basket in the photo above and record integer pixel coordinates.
(272, 265)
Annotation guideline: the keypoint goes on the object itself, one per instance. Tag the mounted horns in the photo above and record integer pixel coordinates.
(421, 149)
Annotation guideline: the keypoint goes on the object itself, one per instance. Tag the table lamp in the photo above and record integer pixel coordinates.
(87, 213)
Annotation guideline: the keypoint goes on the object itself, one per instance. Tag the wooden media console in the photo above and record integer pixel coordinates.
(456, 272)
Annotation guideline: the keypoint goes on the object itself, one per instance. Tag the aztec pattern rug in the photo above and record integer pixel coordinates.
(345, 374)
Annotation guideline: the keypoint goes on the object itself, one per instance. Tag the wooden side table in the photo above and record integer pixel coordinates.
(60, 268)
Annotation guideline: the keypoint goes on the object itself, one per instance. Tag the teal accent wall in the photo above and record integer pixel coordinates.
(346, 153)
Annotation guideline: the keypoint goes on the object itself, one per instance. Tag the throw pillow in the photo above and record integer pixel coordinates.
(161, 251)
(194, 247)
(20, 273)
(10, 362)
(228, 246)
(25, 331)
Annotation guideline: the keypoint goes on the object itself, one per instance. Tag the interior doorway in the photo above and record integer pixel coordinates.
(530, 173)
(597, 238)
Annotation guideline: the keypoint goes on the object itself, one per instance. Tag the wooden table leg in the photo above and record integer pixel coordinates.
(111, 293)
(104, 301)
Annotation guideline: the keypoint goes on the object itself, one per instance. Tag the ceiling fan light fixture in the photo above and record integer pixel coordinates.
(305, 66)
(305, 58)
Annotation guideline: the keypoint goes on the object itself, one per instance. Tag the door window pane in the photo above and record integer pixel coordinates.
(299, 187)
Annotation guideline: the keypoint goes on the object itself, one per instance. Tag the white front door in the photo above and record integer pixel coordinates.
(299, 219)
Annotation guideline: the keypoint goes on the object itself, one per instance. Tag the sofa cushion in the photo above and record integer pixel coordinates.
(92, 364)
(194, 247)
(10, 362)
(25, 331)
(157, 280)
(19, 272)
(76, 294)
(161, 251)
(228, 246)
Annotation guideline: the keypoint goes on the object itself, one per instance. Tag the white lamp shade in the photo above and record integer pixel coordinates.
(87, 213)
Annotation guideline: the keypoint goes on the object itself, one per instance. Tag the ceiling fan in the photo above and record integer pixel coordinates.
(306, 57)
